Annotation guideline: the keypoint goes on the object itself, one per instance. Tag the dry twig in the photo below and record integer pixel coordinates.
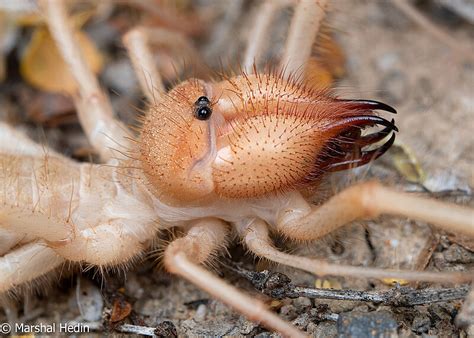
(165, 328)
(278, 285)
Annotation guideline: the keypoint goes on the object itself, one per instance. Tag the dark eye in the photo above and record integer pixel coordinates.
(202, 101)
(203, 112)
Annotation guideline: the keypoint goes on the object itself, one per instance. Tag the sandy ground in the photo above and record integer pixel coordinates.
(390, 59)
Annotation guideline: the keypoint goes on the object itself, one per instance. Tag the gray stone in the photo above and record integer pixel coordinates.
(421, 324)
(372, 324)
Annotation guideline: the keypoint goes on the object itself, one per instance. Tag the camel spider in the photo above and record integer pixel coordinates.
(240, 155)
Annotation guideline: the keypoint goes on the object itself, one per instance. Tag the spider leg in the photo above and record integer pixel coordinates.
(183, 256)
(10, 240)
(303, 30)
(102, 129)
(21, 221)
(369, 200)
(257, 240)
(111, 242)
(137, 44)
(22, 145)
(26, 263)
(258, 35)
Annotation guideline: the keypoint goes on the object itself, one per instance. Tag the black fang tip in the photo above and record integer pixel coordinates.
(370, 104)
(375, 137)
(364, 157)
(364, 121)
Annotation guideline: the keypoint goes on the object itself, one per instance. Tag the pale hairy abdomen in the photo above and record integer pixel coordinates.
(75, 208)
(37, 190)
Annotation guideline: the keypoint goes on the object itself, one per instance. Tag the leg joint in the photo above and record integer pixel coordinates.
(365, 196)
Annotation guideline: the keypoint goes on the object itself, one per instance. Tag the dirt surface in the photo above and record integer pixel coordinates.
(388, 58)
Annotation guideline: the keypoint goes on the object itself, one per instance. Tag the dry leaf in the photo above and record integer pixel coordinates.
(394, 281)
(275, 304)
(43, 67)
(327, 63)
(121, 310)
(317, 76)
(327, 284)
(330, 55)
(406, 163)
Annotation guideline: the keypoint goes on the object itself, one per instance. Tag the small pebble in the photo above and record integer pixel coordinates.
(288, 312)
(302, 321)
(89, 300)
(246, 327)
(457, 254)
(323, 330)
(372, 324)
(421, 324)
(302, 304)
(166, 329)
(201, 313)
